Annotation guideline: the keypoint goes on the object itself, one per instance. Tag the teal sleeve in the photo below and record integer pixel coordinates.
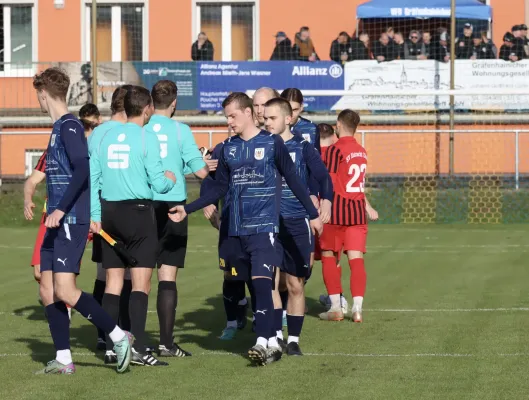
(154, 166)
(190, 152)
(95, 185)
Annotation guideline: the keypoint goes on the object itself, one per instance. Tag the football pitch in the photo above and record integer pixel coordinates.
(446, 317)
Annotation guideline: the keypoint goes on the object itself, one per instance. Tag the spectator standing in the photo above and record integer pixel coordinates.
(480, 50)
(464, 44)
(391, 33)
(283, 49)
(202, 49)
(441, 50)
(525, 39)
(427, 43)
(360, 47)
(485, 39)
(303, 47)
(398, 43)
(509, 51)
(413, 48)
(384, 50)
(341, 50)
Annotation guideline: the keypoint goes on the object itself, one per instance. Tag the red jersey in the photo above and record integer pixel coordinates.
(346, 161)
(41, 164)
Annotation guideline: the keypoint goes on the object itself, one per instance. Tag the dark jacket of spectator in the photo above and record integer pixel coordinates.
(283, 51)
(440, 51)
(337, 49)
(399, 50)
(464, 47)
(506, 51)
(205, 53)
(482, 52)
(389, 52)
(359, 50)
(413, 50)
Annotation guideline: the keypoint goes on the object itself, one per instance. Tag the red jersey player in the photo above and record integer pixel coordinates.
(346, 161)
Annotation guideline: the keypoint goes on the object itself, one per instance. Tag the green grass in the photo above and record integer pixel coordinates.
(462, 352)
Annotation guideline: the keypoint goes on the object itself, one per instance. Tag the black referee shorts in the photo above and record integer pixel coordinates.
(133, 223)
(172, 236)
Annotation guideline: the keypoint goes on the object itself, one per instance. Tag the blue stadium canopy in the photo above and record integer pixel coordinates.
(465, 9)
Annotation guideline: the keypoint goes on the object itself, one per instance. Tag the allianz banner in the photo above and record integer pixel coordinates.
(407, 75)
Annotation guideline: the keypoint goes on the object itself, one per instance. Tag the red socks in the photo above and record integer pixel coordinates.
(332, 275)
(358, 277)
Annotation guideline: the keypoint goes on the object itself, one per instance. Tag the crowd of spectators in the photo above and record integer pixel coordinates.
(391, 45)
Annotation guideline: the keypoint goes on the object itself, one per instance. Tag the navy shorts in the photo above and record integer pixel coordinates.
(63, 248)
(295, 243)
(231, 256)
(250, 256)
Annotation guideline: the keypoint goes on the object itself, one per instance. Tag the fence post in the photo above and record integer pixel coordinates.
(517, 158)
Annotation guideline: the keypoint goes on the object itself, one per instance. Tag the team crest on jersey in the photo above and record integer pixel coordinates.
(259, 153)
(306, 136)
(52, 142)
(293, 157)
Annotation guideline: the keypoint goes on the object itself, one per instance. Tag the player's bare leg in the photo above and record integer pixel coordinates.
(358, 282)
(295, 313)
(166, 307)
(332, 276)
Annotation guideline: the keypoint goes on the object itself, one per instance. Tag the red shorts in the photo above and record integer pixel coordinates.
(317, 248)
(339, 238)
(35, 260)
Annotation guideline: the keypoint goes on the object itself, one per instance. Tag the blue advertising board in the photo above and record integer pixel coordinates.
(216, 80)
(204, 85)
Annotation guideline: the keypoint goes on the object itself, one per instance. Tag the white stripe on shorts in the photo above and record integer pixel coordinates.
(310, 230)
(67, 231)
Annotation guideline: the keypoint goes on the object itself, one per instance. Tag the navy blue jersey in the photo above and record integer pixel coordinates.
(308, 131)
(308, 163)
(248, 173)
(67, 171)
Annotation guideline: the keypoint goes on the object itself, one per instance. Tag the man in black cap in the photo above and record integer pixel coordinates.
(464, 44)
(283, 49)
(480, 50)
(509, 51)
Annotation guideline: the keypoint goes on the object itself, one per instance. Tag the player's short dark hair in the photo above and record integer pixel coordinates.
(136, 99)
(54, 81)
(116, 104)
(283, 105)
(350, 119)
(242, 100)
(292, 94)
(87, 111)
(326, 131)
(163, 94)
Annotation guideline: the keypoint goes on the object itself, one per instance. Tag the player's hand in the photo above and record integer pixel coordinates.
(315, 201)
(95, 227)
(212, 164)
(209, 211)
(325, 210)
(177, 213)
(372, 213)
(215, 221)
(28, 210)
(54, 219)
(170, 175)
(316, 226)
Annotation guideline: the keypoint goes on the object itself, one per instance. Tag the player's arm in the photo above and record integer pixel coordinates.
(286, 167)
(371, 212)
(95, 185)
(317, 139)
(76, 149)
(318, 173)
(30, 186)
(191, 154)
(158, 178)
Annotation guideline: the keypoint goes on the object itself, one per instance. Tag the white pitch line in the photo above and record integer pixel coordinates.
(329, 355)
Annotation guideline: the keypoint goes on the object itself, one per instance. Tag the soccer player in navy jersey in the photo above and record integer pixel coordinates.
(295, 239)
(67, 226)
(249, 173)
(301, 126)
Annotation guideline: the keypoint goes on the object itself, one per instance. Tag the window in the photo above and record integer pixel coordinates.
(230, 26)
(121, 31)
(16, 39)
(32, 158)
